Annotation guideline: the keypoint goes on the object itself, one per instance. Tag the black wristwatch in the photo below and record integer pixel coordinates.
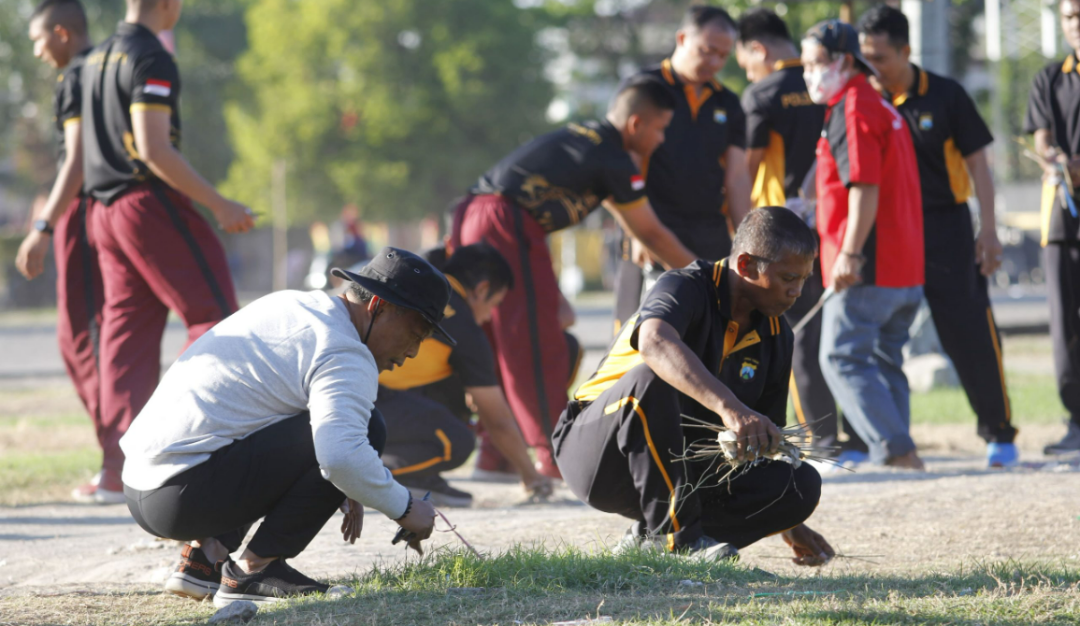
(42, 226)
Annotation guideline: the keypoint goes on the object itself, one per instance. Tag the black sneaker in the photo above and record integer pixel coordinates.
(442, 494)
(275, 583)
(196, 577)
(1068, 445)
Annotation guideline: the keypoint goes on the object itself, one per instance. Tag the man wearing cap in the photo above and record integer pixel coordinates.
(782, 129)
(270, 415)
(869, 217)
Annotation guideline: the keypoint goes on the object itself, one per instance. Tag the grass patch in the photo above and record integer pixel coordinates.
(1034, 397)
(533, 586)
(27, 477)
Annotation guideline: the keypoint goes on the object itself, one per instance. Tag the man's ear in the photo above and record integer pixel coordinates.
(758, 50)
(482, 290)
(746, 266)
(373, 304)
(905, 52)
(62, 33)
(680, 38)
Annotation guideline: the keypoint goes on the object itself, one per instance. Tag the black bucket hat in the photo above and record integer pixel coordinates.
(840, 37)
(406, 280)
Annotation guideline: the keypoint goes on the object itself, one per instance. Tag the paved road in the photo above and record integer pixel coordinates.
(30, 354)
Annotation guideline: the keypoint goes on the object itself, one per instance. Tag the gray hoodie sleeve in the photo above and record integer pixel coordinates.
(343, 385)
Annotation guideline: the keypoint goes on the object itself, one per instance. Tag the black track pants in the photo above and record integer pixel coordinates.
(272, 474)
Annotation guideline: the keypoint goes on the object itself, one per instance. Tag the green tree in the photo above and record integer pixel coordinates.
(396, 107)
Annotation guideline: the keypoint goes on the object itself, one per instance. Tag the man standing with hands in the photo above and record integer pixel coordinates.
(869, 218)
(1054, 117)
(157, 253)
(950, 141)
(58, 30)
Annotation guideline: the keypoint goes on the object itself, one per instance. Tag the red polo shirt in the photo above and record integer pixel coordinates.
(866, 141)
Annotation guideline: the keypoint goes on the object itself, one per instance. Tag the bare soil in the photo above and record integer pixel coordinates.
(956, 513)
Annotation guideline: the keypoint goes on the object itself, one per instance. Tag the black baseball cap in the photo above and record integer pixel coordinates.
(840, 37)
(406, 280)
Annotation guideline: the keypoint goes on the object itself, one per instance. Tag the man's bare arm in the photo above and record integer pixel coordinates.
(30, 259)
(754, 157)
(674, 362)
(987, 246)
(151, 128)
(498, 420)
(737, 181)
(862, 211)
(643, 224)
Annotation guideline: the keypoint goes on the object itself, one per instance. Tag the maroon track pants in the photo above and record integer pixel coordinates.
(530, 348)
(78, 306)
(156, 253)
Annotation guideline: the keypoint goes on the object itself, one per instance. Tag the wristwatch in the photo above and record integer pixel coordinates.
(42, 226)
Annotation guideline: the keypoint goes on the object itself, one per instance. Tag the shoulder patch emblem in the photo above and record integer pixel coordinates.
(720, 116)
(748, 369)
(926, 121)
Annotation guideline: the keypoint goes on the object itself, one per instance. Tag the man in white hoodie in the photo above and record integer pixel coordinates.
(271, 415)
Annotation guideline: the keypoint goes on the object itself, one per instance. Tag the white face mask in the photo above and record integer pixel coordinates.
(823, 84)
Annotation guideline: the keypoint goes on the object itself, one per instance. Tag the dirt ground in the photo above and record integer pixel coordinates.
(954, 514)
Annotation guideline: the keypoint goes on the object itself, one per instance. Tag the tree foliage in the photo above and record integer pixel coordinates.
(396, 107)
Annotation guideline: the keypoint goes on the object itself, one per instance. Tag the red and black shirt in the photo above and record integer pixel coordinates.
(685, 176)
(67, 101)
(866, 141)
(754, 363)
(945, 129)
(1054, 105)
(561, 177)
(781, 117)
(129, 71)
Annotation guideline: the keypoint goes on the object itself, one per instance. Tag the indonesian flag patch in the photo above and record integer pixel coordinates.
(637, 182)
(155, 87)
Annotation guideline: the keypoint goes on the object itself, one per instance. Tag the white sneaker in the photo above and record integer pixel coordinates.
(93, 493)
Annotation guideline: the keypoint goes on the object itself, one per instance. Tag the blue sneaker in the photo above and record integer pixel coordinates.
(1002, 455)
(852, 457)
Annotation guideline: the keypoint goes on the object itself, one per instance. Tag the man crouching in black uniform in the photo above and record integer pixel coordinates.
(709, 342)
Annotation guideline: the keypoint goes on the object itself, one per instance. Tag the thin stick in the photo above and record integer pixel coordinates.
(453, 529)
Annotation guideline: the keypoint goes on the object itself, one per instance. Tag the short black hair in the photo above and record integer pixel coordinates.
(639, 93)
(699, 16)
(886, 20)
(67, 13)
(360, 294)
(473, 264)
(769, 233)
(764, 25)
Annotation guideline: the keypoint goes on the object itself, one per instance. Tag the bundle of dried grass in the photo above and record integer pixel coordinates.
(797, 446)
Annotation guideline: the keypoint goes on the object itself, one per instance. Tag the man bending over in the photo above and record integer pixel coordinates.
(270, 415)
(709, 342)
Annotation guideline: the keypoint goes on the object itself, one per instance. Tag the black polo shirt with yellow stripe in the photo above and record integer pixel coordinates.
(129, 71)
(782, 119)
(561, 177)
(442, 372)
(696, 301)
(67, 101)
(945, 128)
(685, 176)
(1054, 105)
